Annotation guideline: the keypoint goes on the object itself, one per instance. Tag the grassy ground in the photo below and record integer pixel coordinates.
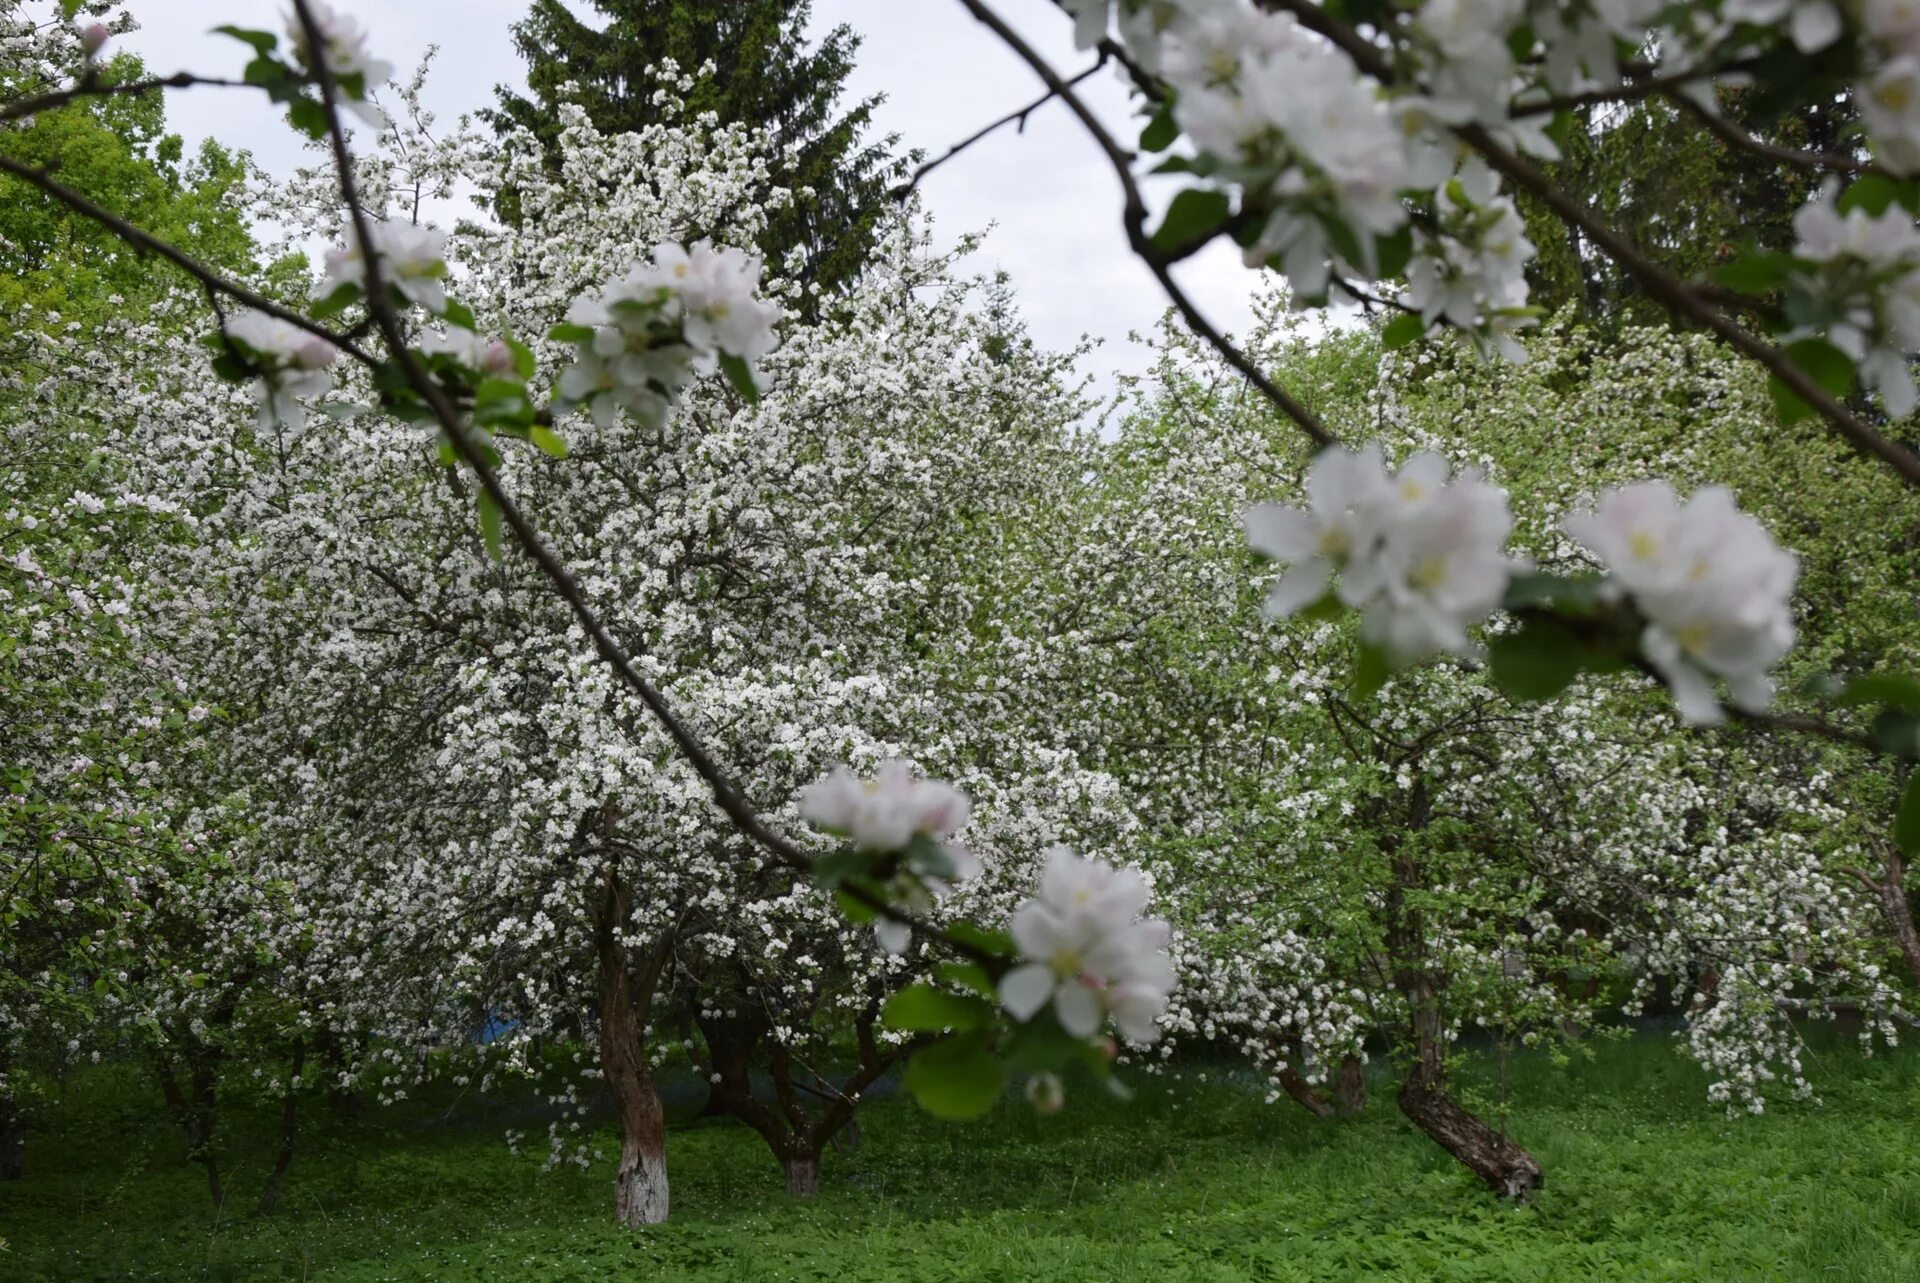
(1199, 1181)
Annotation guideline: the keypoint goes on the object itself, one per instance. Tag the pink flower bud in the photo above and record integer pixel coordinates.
(92, 37)
(315, 354)
(497, 359)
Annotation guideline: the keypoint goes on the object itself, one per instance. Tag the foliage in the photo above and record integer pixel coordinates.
(750, 66)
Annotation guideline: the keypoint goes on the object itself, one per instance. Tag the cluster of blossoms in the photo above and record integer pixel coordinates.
(345, 52)
(1327, 160)
(1088, 952)
(1474, 275)
(1715, 589)
(1423, 557)
(897, 812)
(471, 351)
(290, 361)
(412, 262)
(1869, 279)
(646, 330)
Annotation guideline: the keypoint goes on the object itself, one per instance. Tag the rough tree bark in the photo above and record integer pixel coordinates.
(640, 1183)
(731, 1044)
(1891, 890)
(193, 1109)
(1506, 1168)
(1350, 1087)
(13, 1139)
(289, 1119)
(796, 1136)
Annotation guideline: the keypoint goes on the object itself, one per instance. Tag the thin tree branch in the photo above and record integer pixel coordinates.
(149, 244)
(89, 87)
(1134, 220)
(1016, 118)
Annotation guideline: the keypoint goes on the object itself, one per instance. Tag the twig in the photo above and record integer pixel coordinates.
(1134, 220)
(89, 87)
(1016, 118)
(146, 243)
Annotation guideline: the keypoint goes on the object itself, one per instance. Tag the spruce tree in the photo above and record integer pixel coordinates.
(763, 75)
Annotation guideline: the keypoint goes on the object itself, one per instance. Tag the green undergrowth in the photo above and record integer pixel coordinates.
(1197, 1178)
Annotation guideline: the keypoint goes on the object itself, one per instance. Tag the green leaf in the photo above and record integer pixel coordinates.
(1160, 132)
(1757, 272)
(968, 975)
(957, 1079)
(740, 375)
(548, 440)
(1876, 194)
(1536, 663)
(998, 943)
(1370, 671)
(1402, 330)
(925, 1009)
(1197, 214)
(928, 855)
(263, 42)
(308, 116)
(1906, 824)
(1581, 594)
(857, 912)
(1828, 366)
(342, 411)
(568, 333)
(458, 313)
(1392, 253)
(1329, 607)
(335, 303)
(1896, 690)
(490, 525)
(835, 867)
(522, 358)
(1898, 733)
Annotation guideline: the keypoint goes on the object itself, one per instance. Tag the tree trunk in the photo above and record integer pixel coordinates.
(195, 1115)
(803, 1174)
(731, 1043)
(1350, 1087)
(1503, 1165)
(1507, 1168)
(1311, 1098)
(13, 1139)
(289, 1118)
(1892, 890)
(640, 1184)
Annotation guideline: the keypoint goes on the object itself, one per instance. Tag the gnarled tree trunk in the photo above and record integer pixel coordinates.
(640, 1183)
(289, 1121)
(1507, 1168)
(803, 1174)
(193, 1108)
(13, 1139)
(1891, 889)
(1350, 1086)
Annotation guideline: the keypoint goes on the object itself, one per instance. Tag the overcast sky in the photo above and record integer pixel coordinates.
(1047, 193)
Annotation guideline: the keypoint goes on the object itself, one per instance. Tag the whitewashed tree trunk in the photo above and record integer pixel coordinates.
(640, 1187)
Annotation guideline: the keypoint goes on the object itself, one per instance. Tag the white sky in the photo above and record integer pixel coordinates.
(1047, 193)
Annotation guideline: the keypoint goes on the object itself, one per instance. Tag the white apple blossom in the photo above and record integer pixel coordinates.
(1715, 589)
(1423, 558)
(292, 363)
(1472, 274)
(1813, 24)
(1088, 952)
(474, 351)
(347, 52)
(886, 812)
(1869, 276)
(721, 309)
(412, 261)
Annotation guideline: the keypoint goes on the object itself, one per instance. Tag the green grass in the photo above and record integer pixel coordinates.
(1191, 1181)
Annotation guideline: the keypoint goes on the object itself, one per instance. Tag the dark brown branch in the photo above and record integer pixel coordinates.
(1659, 283)
(1134, 220)
(148, 244)
(91, 88)
(1018, 119)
